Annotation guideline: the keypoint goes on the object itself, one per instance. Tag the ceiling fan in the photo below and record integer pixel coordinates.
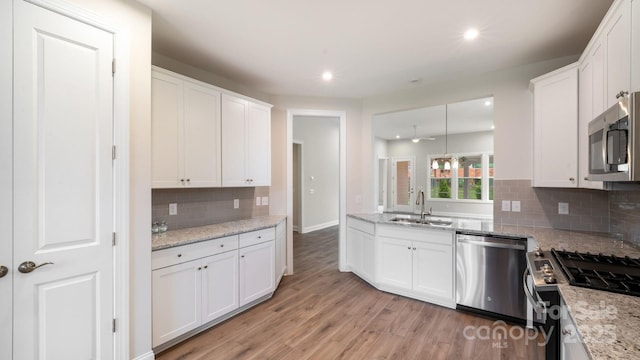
(416, 139)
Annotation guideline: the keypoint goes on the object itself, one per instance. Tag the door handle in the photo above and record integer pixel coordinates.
(3, 271)
(28, 266)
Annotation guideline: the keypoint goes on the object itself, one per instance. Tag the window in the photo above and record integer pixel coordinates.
(470, 179)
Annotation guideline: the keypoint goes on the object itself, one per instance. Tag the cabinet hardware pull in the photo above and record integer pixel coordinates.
(242, 256)
(3, 271)
(414, 248)
(409, 247)
(179, 255)
(221, 245)
(566, 331)
(586, 178)
(206, 266)
(181, 180)
(572, 179)
(188, 180)
(199, 268)
(622, 93)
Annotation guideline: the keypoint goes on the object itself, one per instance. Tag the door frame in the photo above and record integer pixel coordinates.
(121, 51)
(342, 251)
(385, 182)
(394, 183)
(301, 185)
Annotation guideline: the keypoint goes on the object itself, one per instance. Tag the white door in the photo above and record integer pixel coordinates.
(63, 187)
(202, 149)
(403, 180)
(219, 285)
(257, 271)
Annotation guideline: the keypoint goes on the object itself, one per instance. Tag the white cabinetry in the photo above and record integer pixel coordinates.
(590, 104)
(635, 45)
(188, 293)
(617, 42)
(361, 248)
(246, 142)
(257, 266)
(571, 345)
(555, 128)
(185, 131)
(418, 263)
(281, 250)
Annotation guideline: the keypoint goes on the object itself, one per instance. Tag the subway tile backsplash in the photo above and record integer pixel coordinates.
(588, 209)
(206, 206)
(624, 207)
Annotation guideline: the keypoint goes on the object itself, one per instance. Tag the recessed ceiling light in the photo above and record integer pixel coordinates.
(397, 136)
(327, 76)
(487, 103)
(471, 34)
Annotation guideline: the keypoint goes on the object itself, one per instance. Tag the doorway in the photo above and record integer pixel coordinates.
(403, 183)
(297, 185)
(342, 182)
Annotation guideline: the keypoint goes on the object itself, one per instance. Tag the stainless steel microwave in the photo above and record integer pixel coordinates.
(614, 148)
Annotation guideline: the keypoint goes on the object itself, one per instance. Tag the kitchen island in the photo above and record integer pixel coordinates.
(608, 323)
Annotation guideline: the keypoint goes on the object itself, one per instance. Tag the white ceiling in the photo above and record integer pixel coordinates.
(281, 47)
(433, 121)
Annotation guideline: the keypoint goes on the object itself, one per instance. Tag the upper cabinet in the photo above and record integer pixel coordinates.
(204, 136)
(616, 37)
(185, 132)
(555, 128)
(246, 142)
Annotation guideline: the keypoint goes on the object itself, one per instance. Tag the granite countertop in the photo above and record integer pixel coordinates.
(608, 323)
(201, 233)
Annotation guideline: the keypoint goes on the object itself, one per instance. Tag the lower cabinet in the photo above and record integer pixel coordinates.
(361, 248)
(256, 271)
(281, 250)
(417, 263)
(571, 346)
(197, 284)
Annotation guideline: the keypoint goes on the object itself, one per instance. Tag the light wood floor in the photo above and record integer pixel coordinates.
(321, 313)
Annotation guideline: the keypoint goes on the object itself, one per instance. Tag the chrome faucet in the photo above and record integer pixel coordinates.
(420, 201)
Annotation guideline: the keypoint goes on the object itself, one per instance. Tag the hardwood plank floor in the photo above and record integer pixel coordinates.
(321, 313)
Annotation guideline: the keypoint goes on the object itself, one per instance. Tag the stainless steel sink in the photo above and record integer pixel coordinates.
(409, 219)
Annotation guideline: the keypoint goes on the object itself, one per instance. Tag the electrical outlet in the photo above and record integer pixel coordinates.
(563, 208)
(515, 206)
(236, 203)
(506, 205)
(265, 200)
(173, 209)
(258, 201)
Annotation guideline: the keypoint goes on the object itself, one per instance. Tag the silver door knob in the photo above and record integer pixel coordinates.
(28, 266)
(3, 271)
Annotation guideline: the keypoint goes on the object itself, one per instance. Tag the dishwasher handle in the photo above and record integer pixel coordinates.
(507, 244)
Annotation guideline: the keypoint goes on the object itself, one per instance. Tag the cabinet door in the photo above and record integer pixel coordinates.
(219, 285)
(166, 130)
(555, 142)
(635, 45)
(571, 346)
(234, 142)
(256, 271)
(281, 239)
(585, 115)
(368, 247)
(177, 293)
(395, 261)
(433, 270)
(202, 148)
(618, 53)
(259, 145)
(598, 79)
(354, 249)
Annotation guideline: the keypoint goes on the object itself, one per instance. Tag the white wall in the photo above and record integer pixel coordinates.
(135, 19)
(320, 137)
(512, 115)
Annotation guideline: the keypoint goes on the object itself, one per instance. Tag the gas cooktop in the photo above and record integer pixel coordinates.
(602, 272)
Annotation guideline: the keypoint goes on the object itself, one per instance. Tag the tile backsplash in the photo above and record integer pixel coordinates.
(206, 206)
(588, 209)
(624, 209)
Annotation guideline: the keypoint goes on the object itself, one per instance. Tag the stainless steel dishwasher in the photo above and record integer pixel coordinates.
(489, 272)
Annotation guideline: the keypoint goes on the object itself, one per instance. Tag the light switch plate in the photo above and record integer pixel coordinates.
(515, 206)
(258, 201)
(173, 209)
(265, 200)
(236, 203)
(563, 208)
(506, 205)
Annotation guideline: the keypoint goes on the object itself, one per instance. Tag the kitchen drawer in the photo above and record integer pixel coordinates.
(363, 226)
(184, 253)
(257, 237)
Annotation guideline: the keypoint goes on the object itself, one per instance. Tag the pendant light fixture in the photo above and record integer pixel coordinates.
(454, 160)
(415, 139)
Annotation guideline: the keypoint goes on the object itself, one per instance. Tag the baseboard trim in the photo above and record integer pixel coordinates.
(147, 356)
(320, 226)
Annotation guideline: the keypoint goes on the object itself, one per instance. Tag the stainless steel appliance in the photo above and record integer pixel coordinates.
(614, 141)
(489, 275)
(542, 293)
